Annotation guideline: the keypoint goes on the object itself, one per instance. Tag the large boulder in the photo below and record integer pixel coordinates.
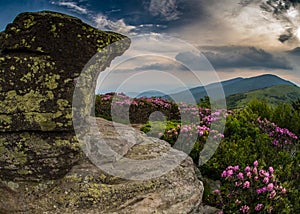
(88, 189)
(41, 56)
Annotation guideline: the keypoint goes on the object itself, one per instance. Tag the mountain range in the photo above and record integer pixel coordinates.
(235, 86)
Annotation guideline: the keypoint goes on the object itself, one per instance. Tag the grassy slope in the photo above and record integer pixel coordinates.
(274, 95)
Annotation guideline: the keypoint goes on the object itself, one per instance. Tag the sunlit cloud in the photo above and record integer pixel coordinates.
(103, 23)
(71, 5)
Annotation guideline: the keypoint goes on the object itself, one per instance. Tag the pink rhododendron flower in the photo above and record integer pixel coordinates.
(237, 201)
(249, 175)
(245, 209)
(240, 175)
(247, 169)
(273, 194)
(246, 185)
(229, 173)
(270, 187)
(236, 168)
(254, 170)
(261, 173)
(258, 207)
(216, 191)
(266, 180)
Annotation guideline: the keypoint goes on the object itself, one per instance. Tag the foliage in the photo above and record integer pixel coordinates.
(138, 110)
(252, 189)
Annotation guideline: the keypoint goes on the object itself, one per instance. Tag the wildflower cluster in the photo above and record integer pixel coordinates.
(138, 109)
(281, 137)
(187, 131)
(251, 190)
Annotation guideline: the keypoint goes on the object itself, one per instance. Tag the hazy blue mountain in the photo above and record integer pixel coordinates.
(295, 51)
(236, 86)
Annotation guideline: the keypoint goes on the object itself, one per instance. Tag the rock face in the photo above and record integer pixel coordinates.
(87, 189)
(41, 55)
(42, 168)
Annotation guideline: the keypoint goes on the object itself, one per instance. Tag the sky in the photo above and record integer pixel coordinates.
(238, 38)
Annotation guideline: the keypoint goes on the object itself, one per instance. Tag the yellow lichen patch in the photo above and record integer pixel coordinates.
(68, 143)
(53, 30)
(45, 120)
(50, 81)
(29, 22)
(50, 95)
(13, 155)
(5, 119)
(68, 80)
(62, 104)
(26, 77)
(26, 103)
(40, 49)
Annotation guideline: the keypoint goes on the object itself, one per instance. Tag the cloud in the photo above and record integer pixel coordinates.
(72, 5)
(230, 57)
(164, 8)
(162, 67)
(119, 26)
(99, 20)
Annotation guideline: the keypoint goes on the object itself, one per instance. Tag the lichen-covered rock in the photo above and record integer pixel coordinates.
(42, 55)
(35, 156)
(87, 189)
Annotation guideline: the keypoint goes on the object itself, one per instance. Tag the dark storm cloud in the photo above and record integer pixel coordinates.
(167, 9)
(285, 37)
(229, 57)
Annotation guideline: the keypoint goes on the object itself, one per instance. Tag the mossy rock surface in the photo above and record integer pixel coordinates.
(37, 156)
(42, 55)
(67, 39)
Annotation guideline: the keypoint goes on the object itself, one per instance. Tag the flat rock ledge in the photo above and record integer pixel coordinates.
(87, 189)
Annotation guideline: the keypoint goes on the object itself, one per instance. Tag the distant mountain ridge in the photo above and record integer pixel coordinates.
(295, 51)
(235, 86)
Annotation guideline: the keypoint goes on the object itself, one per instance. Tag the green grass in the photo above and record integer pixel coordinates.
(273, 95)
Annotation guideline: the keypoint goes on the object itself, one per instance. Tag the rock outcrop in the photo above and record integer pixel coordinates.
(42, 167)
(87, 189)
(41, 56)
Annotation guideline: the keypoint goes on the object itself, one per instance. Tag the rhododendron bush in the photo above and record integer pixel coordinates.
(253, 189)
